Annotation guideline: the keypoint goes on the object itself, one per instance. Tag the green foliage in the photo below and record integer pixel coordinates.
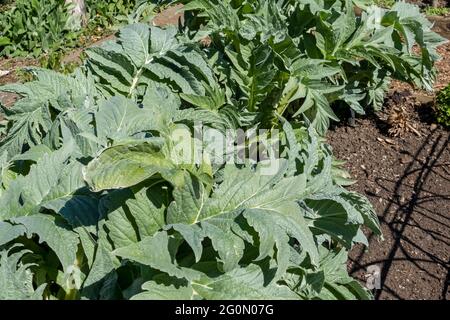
(103, 13)
(111, 13)
(443, 106)
(54, 61)
(5, 4)
(45, 29)
(16, 279)
(437, 11)
(92, 184)
(35, 27)
(301, 58)
(96, 188)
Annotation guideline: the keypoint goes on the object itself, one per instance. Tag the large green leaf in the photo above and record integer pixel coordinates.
(30, 118)
(26, 193)
(254, 72)
(241, 284)
(126, 165)
(153, 251)
(119, 118)
(53, 231)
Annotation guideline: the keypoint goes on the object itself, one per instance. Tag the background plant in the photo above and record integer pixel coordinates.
(111, 13)
(304, 59)
(443, 106)
(4, 4)
(43, 28)
(34, 27)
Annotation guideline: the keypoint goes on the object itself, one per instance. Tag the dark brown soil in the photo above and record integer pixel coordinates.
(407, 179)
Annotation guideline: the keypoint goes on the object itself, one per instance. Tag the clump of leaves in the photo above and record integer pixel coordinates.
(35, 27)
(437, 11)
(44, 28)
(384, 3)
(442, 106)
(92, 185)
(5, 4)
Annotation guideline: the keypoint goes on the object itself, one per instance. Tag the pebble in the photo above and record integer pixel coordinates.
(4, 73)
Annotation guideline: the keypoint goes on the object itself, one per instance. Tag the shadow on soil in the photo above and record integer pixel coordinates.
(403, 211)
